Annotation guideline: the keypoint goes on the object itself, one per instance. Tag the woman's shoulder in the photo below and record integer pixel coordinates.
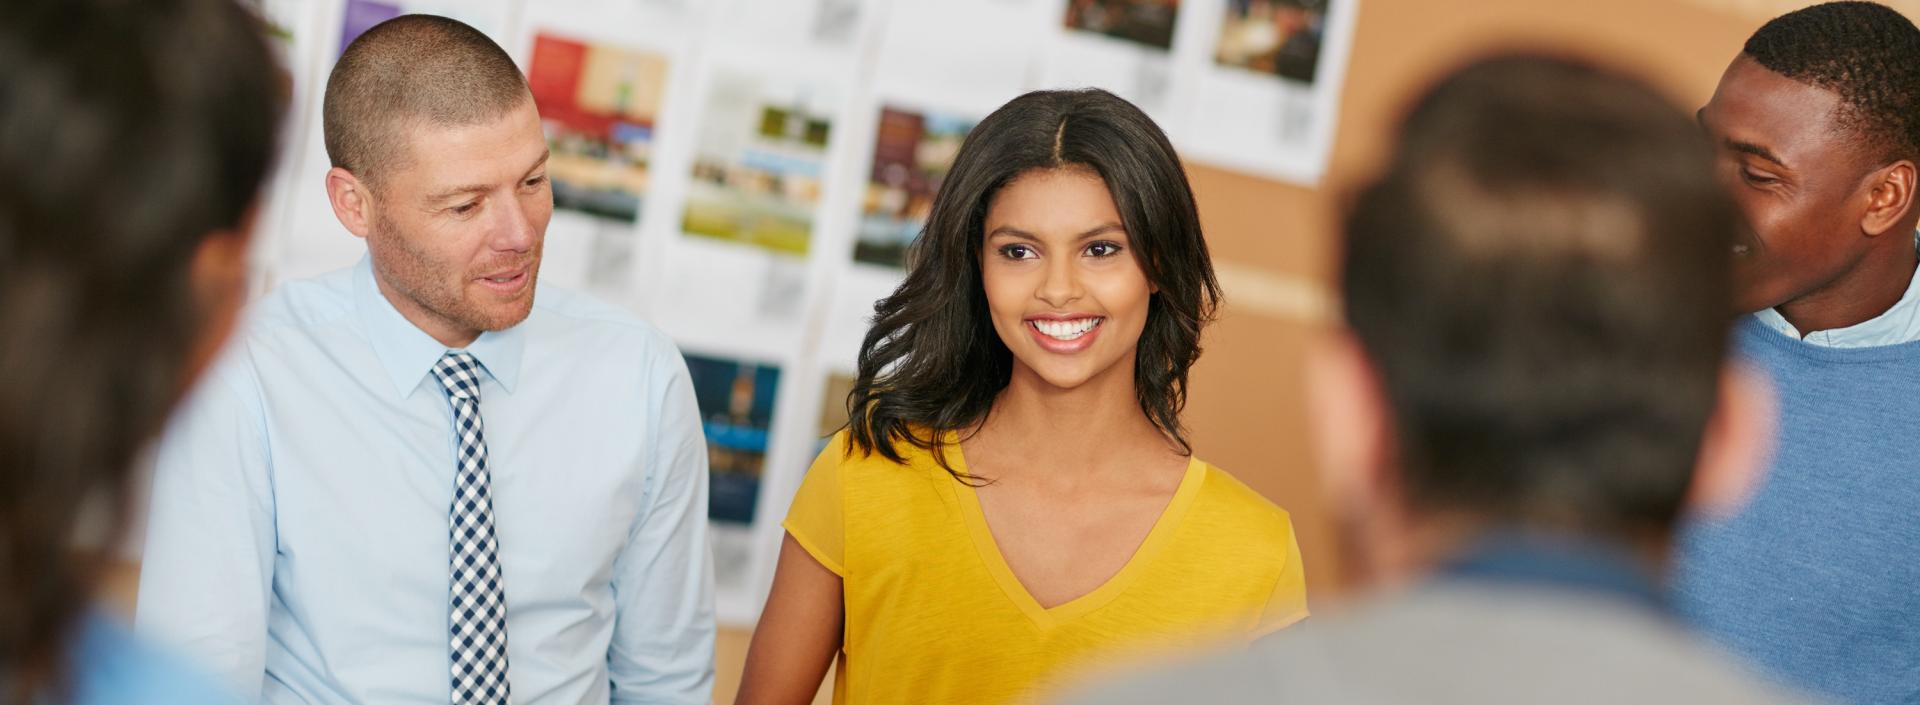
(1236, 506)
(848, 460)
(866, 491)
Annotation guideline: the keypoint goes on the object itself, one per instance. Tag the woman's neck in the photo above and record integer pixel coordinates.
(1094, 428)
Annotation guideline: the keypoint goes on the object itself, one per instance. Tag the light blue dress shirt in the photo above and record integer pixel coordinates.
(298, 536)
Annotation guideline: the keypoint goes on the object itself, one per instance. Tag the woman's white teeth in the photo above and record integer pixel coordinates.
(1066, 330)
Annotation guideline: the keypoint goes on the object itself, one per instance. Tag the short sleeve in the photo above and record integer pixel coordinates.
(816, 520)
(1288, 603)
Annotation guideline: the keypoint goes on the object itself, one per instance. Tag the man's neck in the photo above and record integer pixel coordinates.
(1861, 295)
(446, 332)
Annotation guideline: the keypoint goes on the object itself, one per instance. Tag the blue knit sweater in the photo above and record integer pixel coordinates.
(1818, 579)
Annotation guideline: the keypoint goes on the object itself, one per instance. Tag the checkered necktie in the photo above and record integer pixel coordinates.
(479, 632)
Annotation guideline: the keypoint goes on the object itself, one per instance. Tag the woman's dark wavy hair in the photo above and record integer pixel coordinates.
(131, 131)
(932, 363)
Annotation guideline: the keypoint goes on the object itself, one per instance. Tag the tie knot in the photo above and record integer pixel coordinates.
(459, 374)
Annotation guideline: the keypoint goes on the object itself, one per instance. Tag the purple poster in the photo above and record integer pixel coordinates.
(361, 16)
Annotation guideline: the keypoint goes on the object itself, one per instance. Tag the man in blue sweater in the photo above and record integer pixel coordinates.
(1817, 124)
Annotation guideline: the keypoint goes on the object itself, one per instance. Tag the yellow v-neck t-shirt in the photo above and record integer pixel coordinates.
(935, 616)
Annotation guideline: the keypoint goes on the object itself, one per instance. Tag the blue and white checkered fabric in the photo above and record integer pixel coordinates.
(479, 626)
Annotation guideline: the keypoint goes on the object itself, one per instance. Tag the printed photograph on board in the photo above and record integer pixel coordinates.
(736, 412)
(758, 163)
(598, 105)
(1146, 22)
(488, 16)
(1277, 37)
(912, 152)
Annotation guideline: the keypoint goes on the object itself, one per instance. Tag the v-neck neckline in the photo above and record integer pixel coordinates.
(1115, 585)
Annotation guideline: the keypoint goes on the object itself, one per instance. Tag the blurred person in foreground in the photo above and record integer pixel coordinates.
(134, 137)
(1532, 385)
(1817, 127)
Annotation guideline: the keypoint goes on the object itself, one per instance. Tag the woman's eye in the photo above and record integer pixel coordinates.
(1017, 252)
(1756, 178)
(1103, 249)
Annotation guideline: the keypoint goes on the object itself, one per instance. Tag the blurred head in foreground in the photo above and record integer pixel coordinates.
(1532, 386)
(134, 137)
(1537, 291)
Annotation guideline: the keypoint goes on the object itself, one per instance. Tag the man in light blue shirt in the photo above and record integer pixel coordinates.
(417, 481)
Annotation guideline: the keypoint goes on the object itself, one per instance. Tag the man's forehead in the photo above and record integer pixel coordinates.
(435, 157)
(1790, 122)
(1754, 100)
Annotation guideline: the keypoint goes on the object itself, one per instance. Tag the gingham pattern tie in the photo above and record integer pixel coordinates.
(479, 603)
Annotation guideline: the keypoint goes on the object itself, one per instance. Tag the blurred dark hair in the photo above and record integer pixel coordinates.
(932, 363)
(1541, 279)
(130, 131)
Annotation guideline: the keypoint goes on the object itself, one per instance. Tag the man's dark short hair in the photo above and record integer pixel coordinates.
(1865, 52)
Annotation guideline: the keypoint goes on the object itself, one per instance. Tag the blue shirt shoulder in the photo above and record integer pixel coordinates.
(112, 667)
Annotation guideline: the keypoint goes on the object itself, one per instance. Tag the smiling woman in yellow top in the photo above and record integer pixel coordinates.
(1014, 500)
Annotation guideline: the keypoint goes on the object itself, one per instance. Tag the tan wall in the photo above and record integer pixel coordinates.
(1274, 240)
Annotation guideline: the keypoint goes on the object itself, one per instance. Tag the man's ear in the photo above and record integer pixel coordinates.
(1738, 443)
(1350, 422)
(1890, 197)
(352, 201)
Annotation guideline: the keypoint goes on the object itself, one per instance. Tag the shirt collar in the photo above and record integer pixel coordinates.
(1556, 561)
(1900, 324)
(408, 354)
